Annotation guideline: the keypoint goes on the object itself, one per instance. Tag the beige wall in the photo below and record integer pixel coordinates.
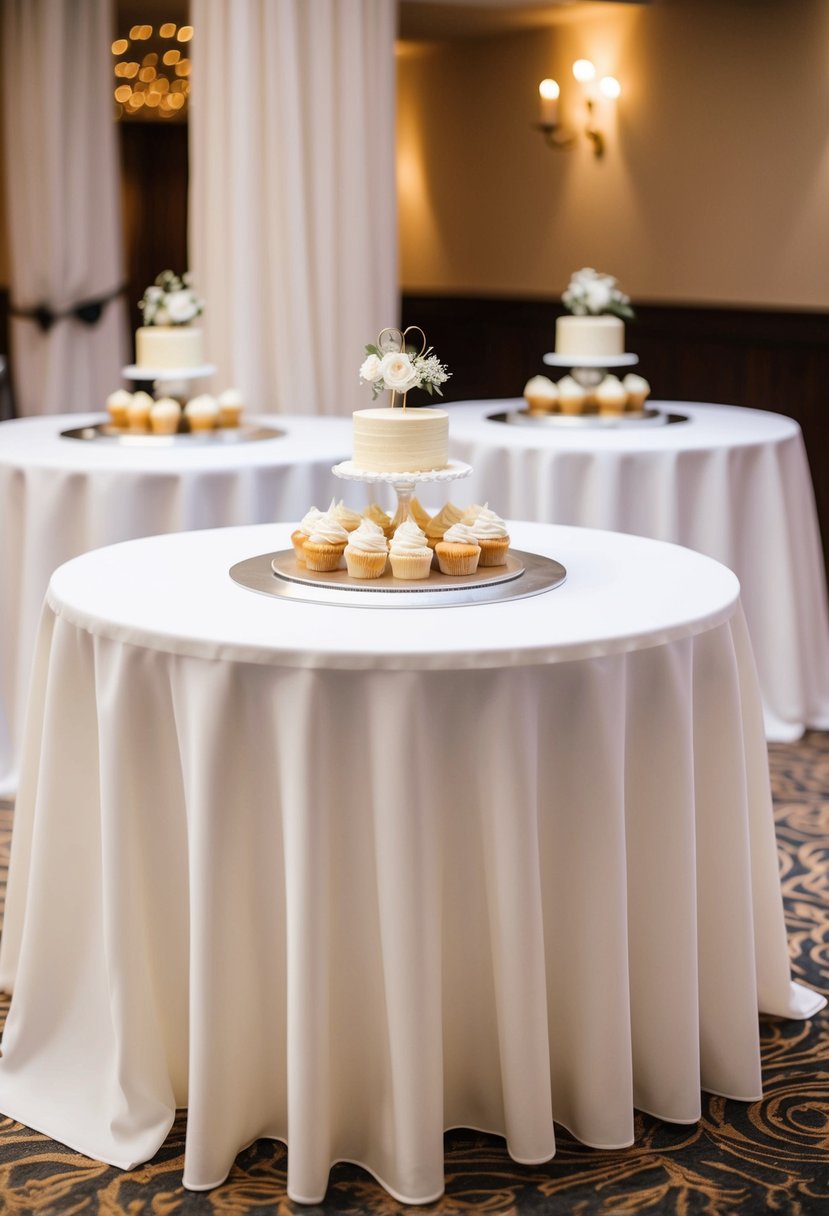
(714, 187)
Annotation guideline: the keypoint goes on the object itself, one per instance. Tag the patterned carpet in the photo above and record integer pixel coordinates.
(772, 1156)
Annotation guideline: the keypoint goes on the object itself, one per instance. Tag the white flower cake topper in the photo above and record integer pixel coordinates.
(393, 364)
(591, 294)
(170, 301)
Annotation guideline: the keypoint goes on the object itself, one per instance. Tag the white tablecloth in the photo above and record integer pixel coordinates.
(62, 497)
(350, 876)
(732, 483)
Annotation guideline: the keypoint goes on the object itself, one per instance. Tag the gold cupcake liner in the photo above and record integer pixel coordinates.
(457, 559)
(364, 565)
(494, 551)
(410, 565)
(323, 557)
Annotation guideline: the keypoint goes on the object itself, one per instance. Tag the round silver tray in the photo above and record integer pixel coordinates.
(105, 432)
(590, 361)
(586, 422)
(281, 575)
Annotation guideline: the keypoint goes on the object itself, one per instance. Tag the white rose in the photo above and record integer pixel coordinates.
(398, 372)
(153, 293)
(370, 371)
(181, 307)
(161, 317)
(597, 295)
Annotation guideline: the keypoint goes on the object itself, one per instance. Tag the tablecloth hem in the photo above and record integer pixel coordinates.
(803, 1003)
(10, 1111)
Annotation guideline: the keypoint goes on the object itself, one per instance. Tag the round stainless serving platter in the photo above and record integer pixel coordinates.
(587, 422)
(105, 432)
(280, 574)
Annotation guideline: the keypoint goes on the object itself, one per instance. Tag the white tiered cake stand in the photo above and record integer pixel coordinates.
(404, 484)
(279, 574)
(589, 373)
(174, 379)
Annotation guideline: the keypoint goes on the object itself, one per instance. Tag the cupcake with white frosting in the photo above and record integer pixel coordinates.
(230, 405)
(303, 531)
(572, 398)
(349, 519)
(378, 516)
(325, 543)
(458, 552)
(138, 411)
(365, 553)
(118, 404)
(437, 525)
(611, 397)
(541, 395)
(491, 533)
(637, 389)
(202, 412)
(165, 415)
(409, 554)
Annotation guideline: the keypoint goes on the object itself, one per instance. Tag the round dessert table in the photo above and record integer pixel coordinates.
(732, 483)
(346, 877)
(61, 497)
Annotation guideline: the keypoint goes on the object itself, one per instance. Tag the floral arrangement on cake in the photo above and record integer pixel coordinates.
(591, 294)
(391, 364)
(171, 300)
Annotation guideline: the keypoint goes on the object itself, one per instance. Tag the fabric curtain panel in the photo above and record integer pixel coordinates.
(293, 224)
(62, 204)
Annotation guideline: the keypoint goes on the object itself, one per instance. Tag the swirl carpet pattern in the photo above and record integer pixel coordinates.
(739, 1160)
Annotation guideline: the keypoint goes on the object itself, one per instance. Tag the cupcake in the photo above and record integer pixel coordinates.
(419, 515)
(409, 554)
(325, 544)
(303, 531)
(637, 389)
(378, 516)
(438, 524)
(541, 395)
(138, 411)
(230, 405)
(611, 397)
(490, 531)
(572, 398)
(365, 553)
(118, 404)
(165, 415)
(202, 412)
(459, 551)
(471, 513)
(349, 519)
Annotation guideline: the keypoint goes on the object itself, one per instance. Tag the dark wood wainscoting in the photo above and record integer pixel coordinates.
(768, 360)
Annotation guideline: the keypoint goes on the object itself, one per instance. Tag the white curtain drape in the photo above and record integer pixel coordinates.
(293, 226)
(62, 201)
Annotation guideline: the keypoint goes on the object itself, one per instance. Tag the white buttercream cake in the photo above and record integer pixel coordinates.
(168, 346)
(401, 440)
(591, 337)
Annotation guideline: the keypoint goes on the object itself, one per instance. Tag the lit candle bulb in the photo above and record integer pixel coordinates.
(548, 92)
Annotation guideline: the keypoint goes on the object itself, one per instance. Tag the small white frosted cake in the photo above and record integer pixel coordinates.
(168, 346)
(401, 440)
(590, 337)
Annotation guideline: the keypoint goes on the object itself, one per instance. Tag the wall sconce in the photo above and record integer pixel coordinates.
(549, 94)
